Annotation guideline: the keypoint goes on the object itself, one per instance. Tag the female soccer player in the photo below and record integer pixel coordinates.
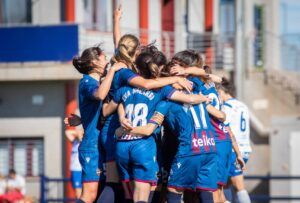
(91, 64)
(181, 123)
(75, 137)
(237, 119)
(139, 105)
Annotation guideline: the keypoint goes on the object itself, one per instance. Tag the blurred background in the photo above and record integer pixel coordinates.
(255, 43)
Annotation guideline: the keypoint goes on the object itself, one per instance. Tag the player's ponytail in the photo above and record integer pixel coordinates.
(83, 63)
(126, 51)
(148, 68)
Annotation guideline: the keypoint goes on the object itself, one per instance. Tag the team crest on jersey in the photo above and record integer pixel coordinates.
(178, 165)
(87, 159)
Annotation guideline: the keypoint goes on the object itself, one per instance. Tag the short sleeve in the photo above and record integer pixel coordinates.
(90, 89)
(227, 108)
(118, 96)
(167, 92)
(197, 84)
(162, 108)
(126, 75)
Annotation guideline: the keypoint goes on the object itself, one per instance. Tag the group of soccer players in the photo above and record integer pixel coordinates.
(161, 128)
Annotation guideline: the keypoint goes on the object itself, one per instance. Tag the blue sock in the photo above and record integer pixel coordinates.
(107, 195)
(79, 201)
(173, 197)
(228, 194)
(112, 192)
(206, 197)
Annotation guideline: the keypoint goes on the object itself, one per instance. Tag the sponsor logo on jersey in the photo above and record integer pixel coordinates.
(203, 141)
(129, 137)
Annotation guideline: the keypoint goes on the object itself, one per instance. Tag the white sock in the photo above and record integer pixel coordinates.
(243, 196)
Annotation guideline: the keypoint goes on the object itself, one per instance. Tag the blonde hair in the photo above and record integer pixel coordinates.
(126, 51)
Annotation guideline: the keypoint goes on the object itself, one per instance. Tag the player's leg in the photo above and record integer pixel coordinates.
(141, 191)
(237, 180)
(145, 168)
(183, 176)
(128, 191)
(224, 150)
(91, 173)
(154, 195)
(241, 192)
(207, 177)
(174, 195)
(76, 182)
(113, 187)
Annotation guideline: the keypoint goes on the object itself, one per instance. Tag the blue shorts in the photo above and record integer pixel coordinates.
(136, 160)
(76, 179)
(235, 168)
(107, 139)
(224, 150)
(198, 172)
(92, 166)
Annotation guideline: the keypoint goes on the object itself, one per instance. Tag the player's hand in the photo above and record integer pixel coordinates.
(126, 124)
(120, 131)
(117, 66)
(215, 78)
(241, 161)
(72, 120)
(185, 84)
(206, 99)
(118, 12)
(178, 70)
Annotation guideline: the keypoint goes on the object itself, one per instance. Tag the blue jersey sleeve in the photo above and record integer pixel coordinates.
(118, 96)
(162, 109)
(167, 92)
(125, 75)
(90, 89)
(197, 84)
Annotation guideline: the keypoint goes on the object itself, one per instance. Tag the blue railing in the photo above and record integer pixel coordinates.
(266, 198)
(44, 189)
(257, 198)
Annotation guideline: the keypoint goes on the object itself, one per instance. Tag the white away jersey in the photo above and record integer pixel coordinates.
(237, 118)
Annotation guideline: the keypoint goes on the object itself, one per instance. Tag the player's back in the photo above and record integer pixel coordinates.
(193, 130)
(237, 117)
(90, 111)
(219, 127)
(140, 104)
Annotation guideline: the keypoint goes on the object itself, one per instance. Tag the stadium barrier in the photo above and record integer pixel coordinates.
(256, 198)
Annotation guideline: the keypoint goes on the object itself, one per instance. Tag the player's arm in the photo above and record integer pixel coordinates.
(220, 115)
(189, 98)
(236, 150)
(195, 71)
(149, 84)
(104, 87)
(125, 123)
(70, 134)
(147, 130)
(109, 108)
(116, 25)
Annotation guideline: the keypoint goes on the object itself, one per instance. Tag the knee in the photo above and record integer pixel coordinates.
(89, 195)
